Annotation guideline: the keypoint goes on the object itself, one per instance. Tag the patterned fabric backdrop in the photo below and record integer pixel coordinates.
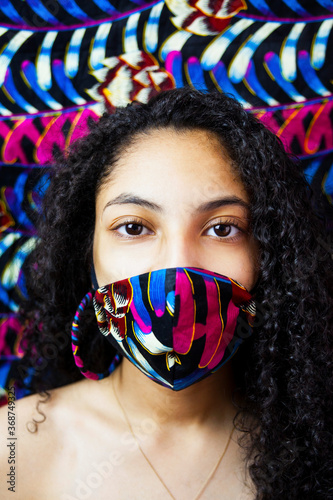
(63, 62)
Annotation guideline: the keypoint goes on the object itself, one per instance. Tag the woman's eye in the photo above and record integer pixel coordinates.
(223, 230)
(132, 229)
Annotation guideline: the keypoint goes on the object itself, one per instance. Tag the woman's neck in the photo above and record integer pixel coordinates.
(207, 401)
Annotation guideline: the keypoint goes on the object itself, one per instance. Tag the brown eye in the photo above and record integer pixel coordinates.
(225, 231)
(222, 230)
(134, 229)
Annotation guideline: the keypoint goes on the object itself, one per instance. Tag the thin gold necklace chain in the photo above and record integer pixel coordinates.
(210, 475)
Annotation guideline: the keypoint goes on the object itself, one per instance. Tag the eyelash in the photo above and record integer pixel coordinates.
(132, 220)
(230, 222)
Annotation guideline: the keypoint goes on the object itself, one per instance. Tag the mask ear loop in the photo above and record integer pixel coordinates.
(76, 337)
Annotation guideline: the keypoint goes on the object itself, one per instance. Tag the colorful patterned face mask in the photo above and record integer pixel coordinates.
(176, 325)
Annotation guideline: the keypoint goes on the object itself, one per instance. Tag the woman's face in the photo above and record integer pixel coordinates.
(173, 200)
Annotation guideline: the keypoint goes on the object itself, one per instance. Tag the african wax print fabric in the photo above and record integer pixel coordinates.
(176, 325)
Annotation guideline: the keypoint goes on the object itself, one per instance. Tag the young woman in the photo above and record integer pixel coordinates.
(175, 216)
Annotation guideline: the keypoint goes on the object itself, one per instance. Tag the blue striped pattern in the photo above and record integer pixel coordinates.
(10, 50)
(195, 74)
(174, 64)
(73, 9)
(9, 11)
(215, 50)
(328, 182)
(151, 29)
(311, 170)
(105, 6)
(130, 37)
(327, 4)
(16, 97)
(256, 88)
(138, 302)
(296, 7)
(309, 74)
(99, 46)
(273, 65)
(65, 83)
(73, 53)
(223, 83)
(262, 6)
(318, 53)
(29, 72)
(239, 64)
(157, 291)
(43, 65)
(288, 53)
(38, 7)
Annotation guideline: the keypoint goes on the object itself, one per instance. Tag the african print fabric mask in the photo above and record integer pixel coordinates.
(176, 325)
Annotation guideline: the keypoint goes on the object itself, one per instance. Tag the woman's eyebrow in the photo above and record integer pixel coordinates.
(222, 202)
(129, 198)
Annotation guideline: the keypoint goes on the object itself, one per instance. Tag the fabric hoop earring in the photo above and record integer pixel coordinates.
(75, 336)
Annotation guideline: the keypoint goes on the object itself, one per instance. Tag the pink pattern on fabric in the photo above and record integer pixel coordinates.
(91, 375)
(183, 333)
(188, 330)
(229, 329)
(7, 325)
(78, 361)
(214, 323)
(137, 318)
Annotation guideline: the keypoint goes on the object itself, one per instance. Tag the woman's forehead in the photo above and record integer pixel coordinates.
(168, 164)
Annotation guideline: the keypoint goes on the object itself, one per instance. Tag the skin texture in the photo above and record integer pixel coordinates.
(178, 174)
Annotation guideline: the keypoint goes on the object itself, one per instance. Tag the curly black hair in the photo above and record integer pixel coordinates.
(284, 371)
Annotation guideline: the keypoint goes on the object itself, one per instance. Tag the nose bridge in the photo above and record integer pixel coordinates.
(178, 250)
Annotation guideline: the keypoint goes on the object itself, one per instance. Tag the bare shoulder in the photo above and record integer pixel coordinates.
(33, 432)
(33, 410)
(12, 417)
(13, 440)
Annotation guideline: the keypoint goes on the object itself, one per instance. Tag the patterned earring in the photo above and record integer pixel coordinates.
(76, 337)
